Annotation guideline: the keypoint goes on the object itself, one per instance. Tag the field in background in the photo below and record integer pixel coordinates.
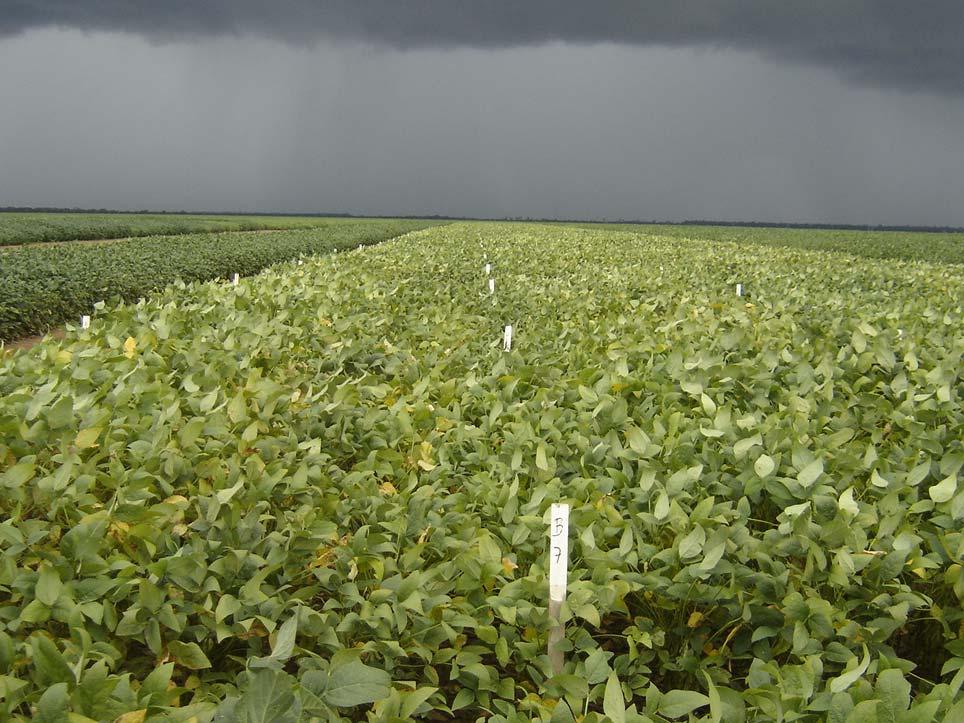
(24, 228)
(907, 245)
(44, 285)
(324, 491)
(21, 228)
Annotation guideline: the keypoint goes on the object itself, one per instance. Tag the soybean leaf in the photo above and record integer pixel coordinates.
(354, 683)
(678, 703)
(614, 705)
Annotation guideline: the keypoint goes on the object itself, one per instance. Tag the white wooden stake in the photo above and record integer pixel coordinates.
(85, 321)
(300, 262)
(739, 289)
(235, 278)
(491, 285)
(488, 269)
(558, 574)
(507, 338)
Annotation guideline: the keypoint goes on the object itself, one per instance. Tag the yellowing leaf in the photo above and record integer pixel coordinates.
(118, 529)
(130, 347)
(425, 452)
(695, 618)
(87, 438)
(387, 489)
(134, 716)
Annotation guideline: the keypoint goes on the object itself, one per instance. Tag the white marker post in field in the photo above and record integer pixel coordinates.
(85, 321)
(235, 278)
(558, 574)
(491, 285)
(488, 269)
(739, 289)
(507, 338)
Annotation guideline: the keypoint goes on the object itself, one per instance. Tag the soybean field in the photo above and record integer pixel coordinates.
(324, 493)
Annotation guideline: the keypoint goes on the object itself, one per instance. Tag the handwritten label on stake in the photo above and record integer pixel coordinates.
(85, 322)
(235, 278)
(558, 574)
(739, 289)
(559, 551)
(491, 285)
(507, 338)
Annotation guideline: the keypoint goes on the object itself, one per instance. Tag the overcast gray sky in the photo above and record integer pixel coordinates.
(848, 112)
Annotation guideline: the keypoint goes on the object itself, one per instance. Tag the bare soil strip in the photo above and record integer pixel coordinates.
(29, 341)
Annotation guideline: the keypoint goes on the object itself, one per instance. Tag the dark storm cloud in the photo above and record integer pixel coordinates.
(889, 43)
(108, 120)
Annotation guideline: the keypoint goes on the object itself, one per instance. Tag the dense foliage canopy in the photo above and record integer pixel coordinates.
(941, 246)
(322, 493)
(29, 227)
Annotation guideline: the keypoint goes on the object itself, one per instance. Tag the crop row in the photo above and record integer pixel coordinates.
(324, 492)
(937, 247)
(24, 228)
(41, 286)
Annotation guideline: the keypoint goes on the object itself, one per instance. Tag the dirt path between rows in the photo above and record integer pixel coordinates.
(98, 241)
(27, 342)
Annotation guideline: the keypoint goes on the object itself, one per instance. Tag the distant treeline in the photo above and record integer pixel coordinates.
(443, 217)
(826, 226)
